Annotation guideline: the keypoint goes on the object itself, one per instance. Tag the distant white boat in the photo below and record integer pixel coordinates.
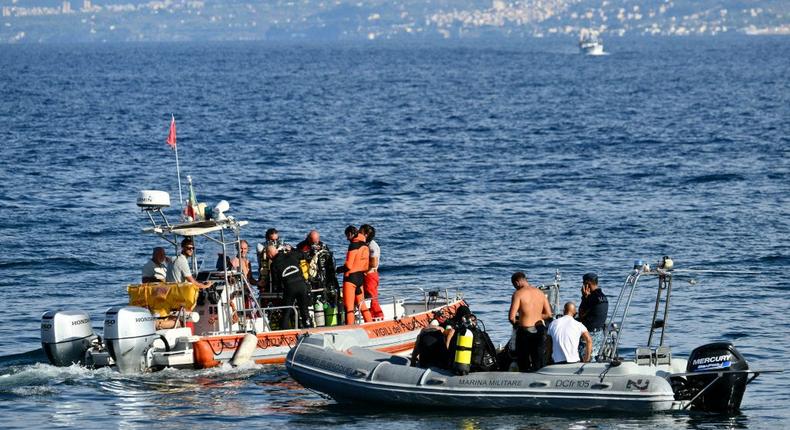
(590, 43)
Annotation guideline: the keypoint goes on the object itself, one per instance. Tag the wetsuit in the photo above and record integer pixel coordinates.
(530, 347)
(430, 349)
(286, 275)
(357, 263)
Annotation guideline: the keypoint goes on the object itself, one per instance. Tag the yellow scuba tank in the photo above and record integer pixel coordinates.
(305, 266)
(463, 352)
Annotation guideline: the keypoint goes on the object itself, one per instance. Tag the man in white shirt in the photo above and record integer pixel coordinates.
(565, 334)
(155, 269)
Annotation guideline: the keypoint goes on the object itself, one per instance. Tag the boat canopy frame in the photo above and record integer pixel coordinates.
(234, 280)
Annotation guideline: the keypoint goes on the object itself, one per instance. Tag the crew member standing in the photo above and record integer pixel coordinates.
(593, 310)
(372, 275)
(357, 264)
(532, 307)
(286, 276)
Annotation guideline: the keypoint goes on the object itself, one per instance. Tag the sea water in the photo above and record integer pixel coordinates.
(472, 160)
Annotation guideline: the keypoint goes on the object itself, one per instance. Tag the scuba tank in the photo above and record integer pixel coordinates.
(463, 351)
(318, 314)
(330, 315)
(304, 266)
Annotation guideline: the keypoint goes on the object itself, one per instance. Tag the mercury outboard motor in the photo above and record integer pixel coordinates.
(129, 332)
(726, 393)
(66, 336)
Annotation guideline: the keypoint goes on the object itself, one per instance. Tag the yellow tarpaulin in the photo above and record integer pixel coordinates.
(161, 298)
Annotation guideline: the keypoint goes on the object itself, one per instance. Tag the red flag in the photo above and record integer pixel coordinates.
(171, 138)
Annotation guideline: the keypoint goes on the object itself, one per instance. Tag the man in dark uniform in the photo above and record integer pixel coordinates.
(593, 310)
(287, 277)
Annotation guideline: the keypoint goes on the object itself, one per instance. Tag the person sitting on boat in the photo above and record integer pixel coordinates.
(371, 283)
(565, 333)
(593, 310)
(155, 269)
(532, 307)
(430, 348)
(357, 263)
(286, 276)
(179, 271)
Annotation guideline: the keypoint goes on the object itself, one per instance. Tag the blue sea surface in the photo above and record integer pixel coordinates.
(471, 160)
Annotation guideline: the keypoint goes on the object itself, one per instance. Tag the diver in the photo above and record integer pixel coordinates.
(430, 347)
(320, 267)
(286, 276)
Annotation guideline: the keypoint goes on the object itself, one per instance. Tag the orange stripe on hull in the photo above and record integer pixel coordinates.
(207, 349)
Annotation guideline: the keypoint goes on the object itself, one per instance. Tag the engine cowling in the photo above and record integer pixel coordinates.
(66, 336)
(726, 393)
(129, 332)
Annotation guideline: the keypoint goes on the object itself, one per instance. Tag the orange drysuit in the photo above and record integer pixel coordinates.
(357, 263)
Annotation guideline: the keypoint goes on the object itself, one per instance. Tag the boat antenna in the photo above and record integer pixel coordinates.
(171, 140)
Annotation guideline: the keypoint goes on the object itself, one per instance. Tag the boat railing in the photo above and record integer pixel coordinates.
(615, 324)
(270, 309)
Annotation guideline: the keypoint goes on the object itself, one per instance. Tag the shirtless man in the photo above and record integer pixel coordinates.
(532, 307)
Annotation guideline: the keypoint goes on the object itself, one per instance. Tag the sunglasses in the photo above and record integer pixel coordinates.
(189, 248)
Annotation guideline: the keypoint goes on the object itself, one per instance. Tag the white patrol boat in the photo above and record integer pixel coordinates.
(221, 324)
(590, 43)
(713, 378)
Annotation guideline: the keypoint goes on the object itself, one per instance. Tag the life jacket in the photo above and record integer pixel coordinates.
(357, 260)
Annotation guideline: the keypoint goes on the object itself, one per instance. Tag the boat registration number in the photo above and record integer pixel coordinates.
(572, 383)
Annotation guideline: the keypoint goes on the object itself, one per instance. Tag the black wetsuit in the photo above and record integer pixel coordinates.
(287, 276)
(432, 350)
(530, 347)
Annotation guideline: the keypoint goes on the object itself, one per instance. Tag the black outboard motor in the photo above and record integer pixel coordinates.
(726, 393)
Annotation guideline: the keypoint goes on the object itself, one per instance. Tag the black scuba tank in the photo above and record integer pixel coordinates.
(726, 393)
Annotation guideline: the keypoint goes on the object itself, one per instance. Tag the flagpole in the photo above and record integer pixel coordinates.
(178, 171)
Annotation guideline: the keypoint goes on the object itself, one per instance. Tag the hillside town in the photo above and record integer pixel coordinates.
(44, 21)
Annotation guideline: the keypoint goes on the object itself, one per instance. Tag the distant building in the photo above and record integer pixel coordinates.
(66, 8)
(6, 11)
(86, 5)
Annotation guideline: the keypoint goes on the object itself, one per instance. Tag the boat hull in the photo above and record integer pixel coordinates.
(395, 336)
(359, 375)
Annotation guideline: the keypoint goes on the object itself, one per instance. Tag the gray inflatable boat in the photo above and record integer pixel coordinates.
(714, 378)
(356, 374)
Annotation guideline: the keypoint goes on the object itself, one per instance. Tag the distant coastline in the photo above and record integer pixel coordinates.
(59, 21)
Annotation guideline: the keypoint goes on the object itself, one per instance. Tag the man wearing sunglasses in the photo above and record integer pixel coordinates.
(179, 271)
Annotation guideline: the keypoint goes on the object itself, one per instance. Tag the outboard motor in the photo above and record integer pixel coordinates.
(726, 393)
(66, 336)
(129, 332)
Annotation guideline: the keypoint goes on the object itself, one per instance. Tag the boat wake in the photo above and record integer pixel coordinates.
(27, 374)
